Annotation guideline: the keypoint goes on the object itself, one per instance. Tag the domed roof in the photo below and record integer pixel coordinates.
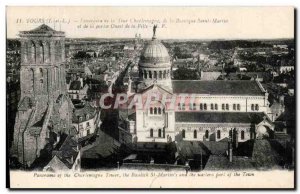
(155, 52)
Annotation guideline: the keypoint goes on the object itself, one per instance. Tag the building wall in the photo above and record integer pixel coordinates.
(212, 129)
(83, 127)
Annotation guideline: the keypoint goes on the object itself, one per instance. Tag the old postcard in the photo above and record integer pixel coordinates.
(150, 97)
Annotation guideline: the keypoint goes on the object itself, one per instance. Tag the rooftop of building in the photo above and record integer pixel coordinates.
(85, 112)
(220, 117)
(218, 87)
(43, 30)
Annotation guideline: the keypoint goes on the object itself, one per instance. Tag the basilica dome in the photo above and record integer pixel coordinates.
(155, 54)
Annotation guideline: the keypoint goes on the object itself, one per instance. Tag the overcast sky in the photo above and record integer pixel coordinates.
(173, 22)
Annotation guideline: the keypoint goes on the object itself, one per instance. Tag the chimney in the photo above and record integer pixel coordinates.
(81, 82)
(230, 151)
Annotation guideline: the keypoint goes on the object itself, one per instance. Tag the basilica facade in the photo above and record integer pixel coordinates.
(210, 111)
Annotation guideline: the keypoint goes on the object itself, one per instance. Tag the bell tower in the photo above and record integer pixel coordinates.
(42, 63)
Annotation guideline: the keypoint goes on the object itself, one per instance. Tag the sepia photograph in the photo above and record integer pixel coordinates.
(150, 97)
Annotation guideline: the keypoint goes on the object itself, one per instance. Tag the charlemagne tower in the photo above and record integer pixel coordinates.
(44, 106)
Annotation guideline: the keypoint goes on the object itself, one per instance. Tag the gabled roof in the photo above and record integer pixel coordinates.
(217, 87)
(43, 28)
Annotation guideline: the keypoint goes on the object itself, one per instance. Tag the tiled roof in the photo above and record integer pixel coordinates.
(219, 117)
(82, 112)
(68, 152)
(217, 87)
(75, 85)
(222, 163)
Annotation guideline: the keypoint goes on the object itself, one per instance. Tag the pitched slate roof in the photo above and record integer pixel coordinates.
(219, 117)
(75, 85)
(222, 162)
(82, 112)
(217, 87)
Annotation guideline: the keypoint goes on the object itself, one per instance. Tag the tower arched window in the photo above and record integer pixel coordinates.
(151, 132)
(216, 106)
(256, 107)
(151, 110)
(164, 74)
(227, 106)
(242, 135)
(33, 52)
(150, 74)
(183, 133)
(252, 106)
(205, 106)
(218, 134)
(145, 74)
(223, 106)
(206, 134)
(212, 106)
(159, 111)
(201, 106)
(155, 110)
(160, 75)
(159, 132)
(42, 52)
(234, 107)
(195, 134)
(31, 76)
(155, 75)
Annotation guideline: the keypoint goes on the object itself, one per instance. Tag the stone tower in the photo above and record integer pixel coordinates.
(44, 107)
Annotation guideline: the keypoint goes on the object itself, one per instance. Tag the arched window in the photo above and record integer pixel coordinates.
(145, 74)
(218, 134)
(234, 106)
(151, 110)
(216, 106)
(164, 133)
(31, 76)
(160, 74)
(151, 132)
(256, 107)
(212, 106)
(223, 106)
(183, 106)
(33, 52)
(41, 73)
(179, 106)
(227, 106)
(201, 106)
(205, 106)
(155, 110)
(159, 110)
(150, 74)
(42, 52)
(230, 133)
(252, 106)
(159, 133)
(164, 74)
(242, 135)
(206, 134)
(194, 106)
(183, 133)
(155, 74)
(238, 107)
(195, 134)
